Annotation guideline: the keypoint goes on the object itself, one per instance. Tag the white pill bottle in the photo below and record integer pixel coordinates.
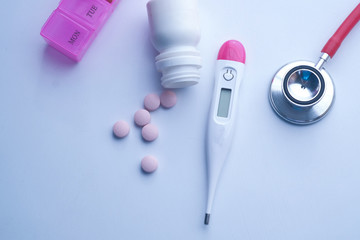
(175, 33)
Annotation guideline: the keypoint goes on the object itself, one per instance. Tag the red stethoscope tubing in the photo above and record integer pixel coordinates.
(335, 41)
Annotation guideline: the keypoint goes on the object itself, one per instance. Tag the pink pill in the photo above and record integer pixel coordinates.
(168, 99)
(142, 117)
(121, 129)
(152, 102)
(150, 132)
(149, 164)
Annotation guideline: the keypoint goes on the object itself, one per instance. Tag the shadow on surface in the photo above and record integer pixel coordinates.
(55, 59)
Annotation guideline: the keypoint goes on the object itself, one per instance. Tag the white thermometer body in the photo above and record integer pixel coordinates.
(224, 106)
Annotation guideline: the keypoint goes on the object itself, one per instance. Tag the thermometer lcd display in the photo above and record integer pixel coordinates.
(224, 103)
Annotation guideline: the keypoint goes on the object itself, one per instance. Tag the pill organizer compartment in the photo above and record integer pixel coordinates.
(92, 12)
(73, 26)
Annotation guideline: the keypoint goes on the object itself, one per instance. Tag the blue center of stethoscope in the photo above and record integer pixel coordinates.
(303, 85)
(305, 74)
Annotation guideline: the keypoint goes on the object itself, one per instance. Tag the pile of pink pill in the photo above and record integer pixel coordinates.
(142, 118)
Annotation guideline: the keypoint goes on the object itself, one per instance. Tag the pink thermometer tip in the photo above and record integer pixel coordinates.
(232, 50)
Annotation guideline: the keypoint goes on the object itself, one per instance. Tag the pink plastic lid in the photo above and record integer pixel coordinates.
(232, 50)
(91, 12)
(73, 26)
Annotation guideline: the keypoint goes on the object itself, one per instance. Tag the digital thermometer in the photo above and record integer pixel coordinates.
(229, 71)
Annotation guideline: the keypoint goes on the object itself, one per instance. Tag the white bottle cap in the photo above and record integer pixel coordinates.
(175, 33)
(179, 68)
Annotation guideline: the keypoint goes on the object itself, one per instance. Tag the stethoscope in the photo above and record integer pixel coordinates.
(302, 92)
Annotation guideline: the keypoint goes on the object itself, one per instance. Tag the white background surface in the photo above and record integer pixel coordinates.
(64, 176)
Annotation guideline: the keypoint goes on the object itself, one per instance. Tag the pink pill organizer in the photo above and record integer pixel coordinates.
(73, 26)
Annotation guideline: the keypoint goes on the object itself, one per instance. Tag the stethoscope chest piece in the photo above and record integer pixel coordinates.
(302, 93)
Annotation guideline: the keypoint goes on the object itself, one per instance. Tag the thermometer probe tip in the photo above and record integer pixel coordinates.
(207, 219)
